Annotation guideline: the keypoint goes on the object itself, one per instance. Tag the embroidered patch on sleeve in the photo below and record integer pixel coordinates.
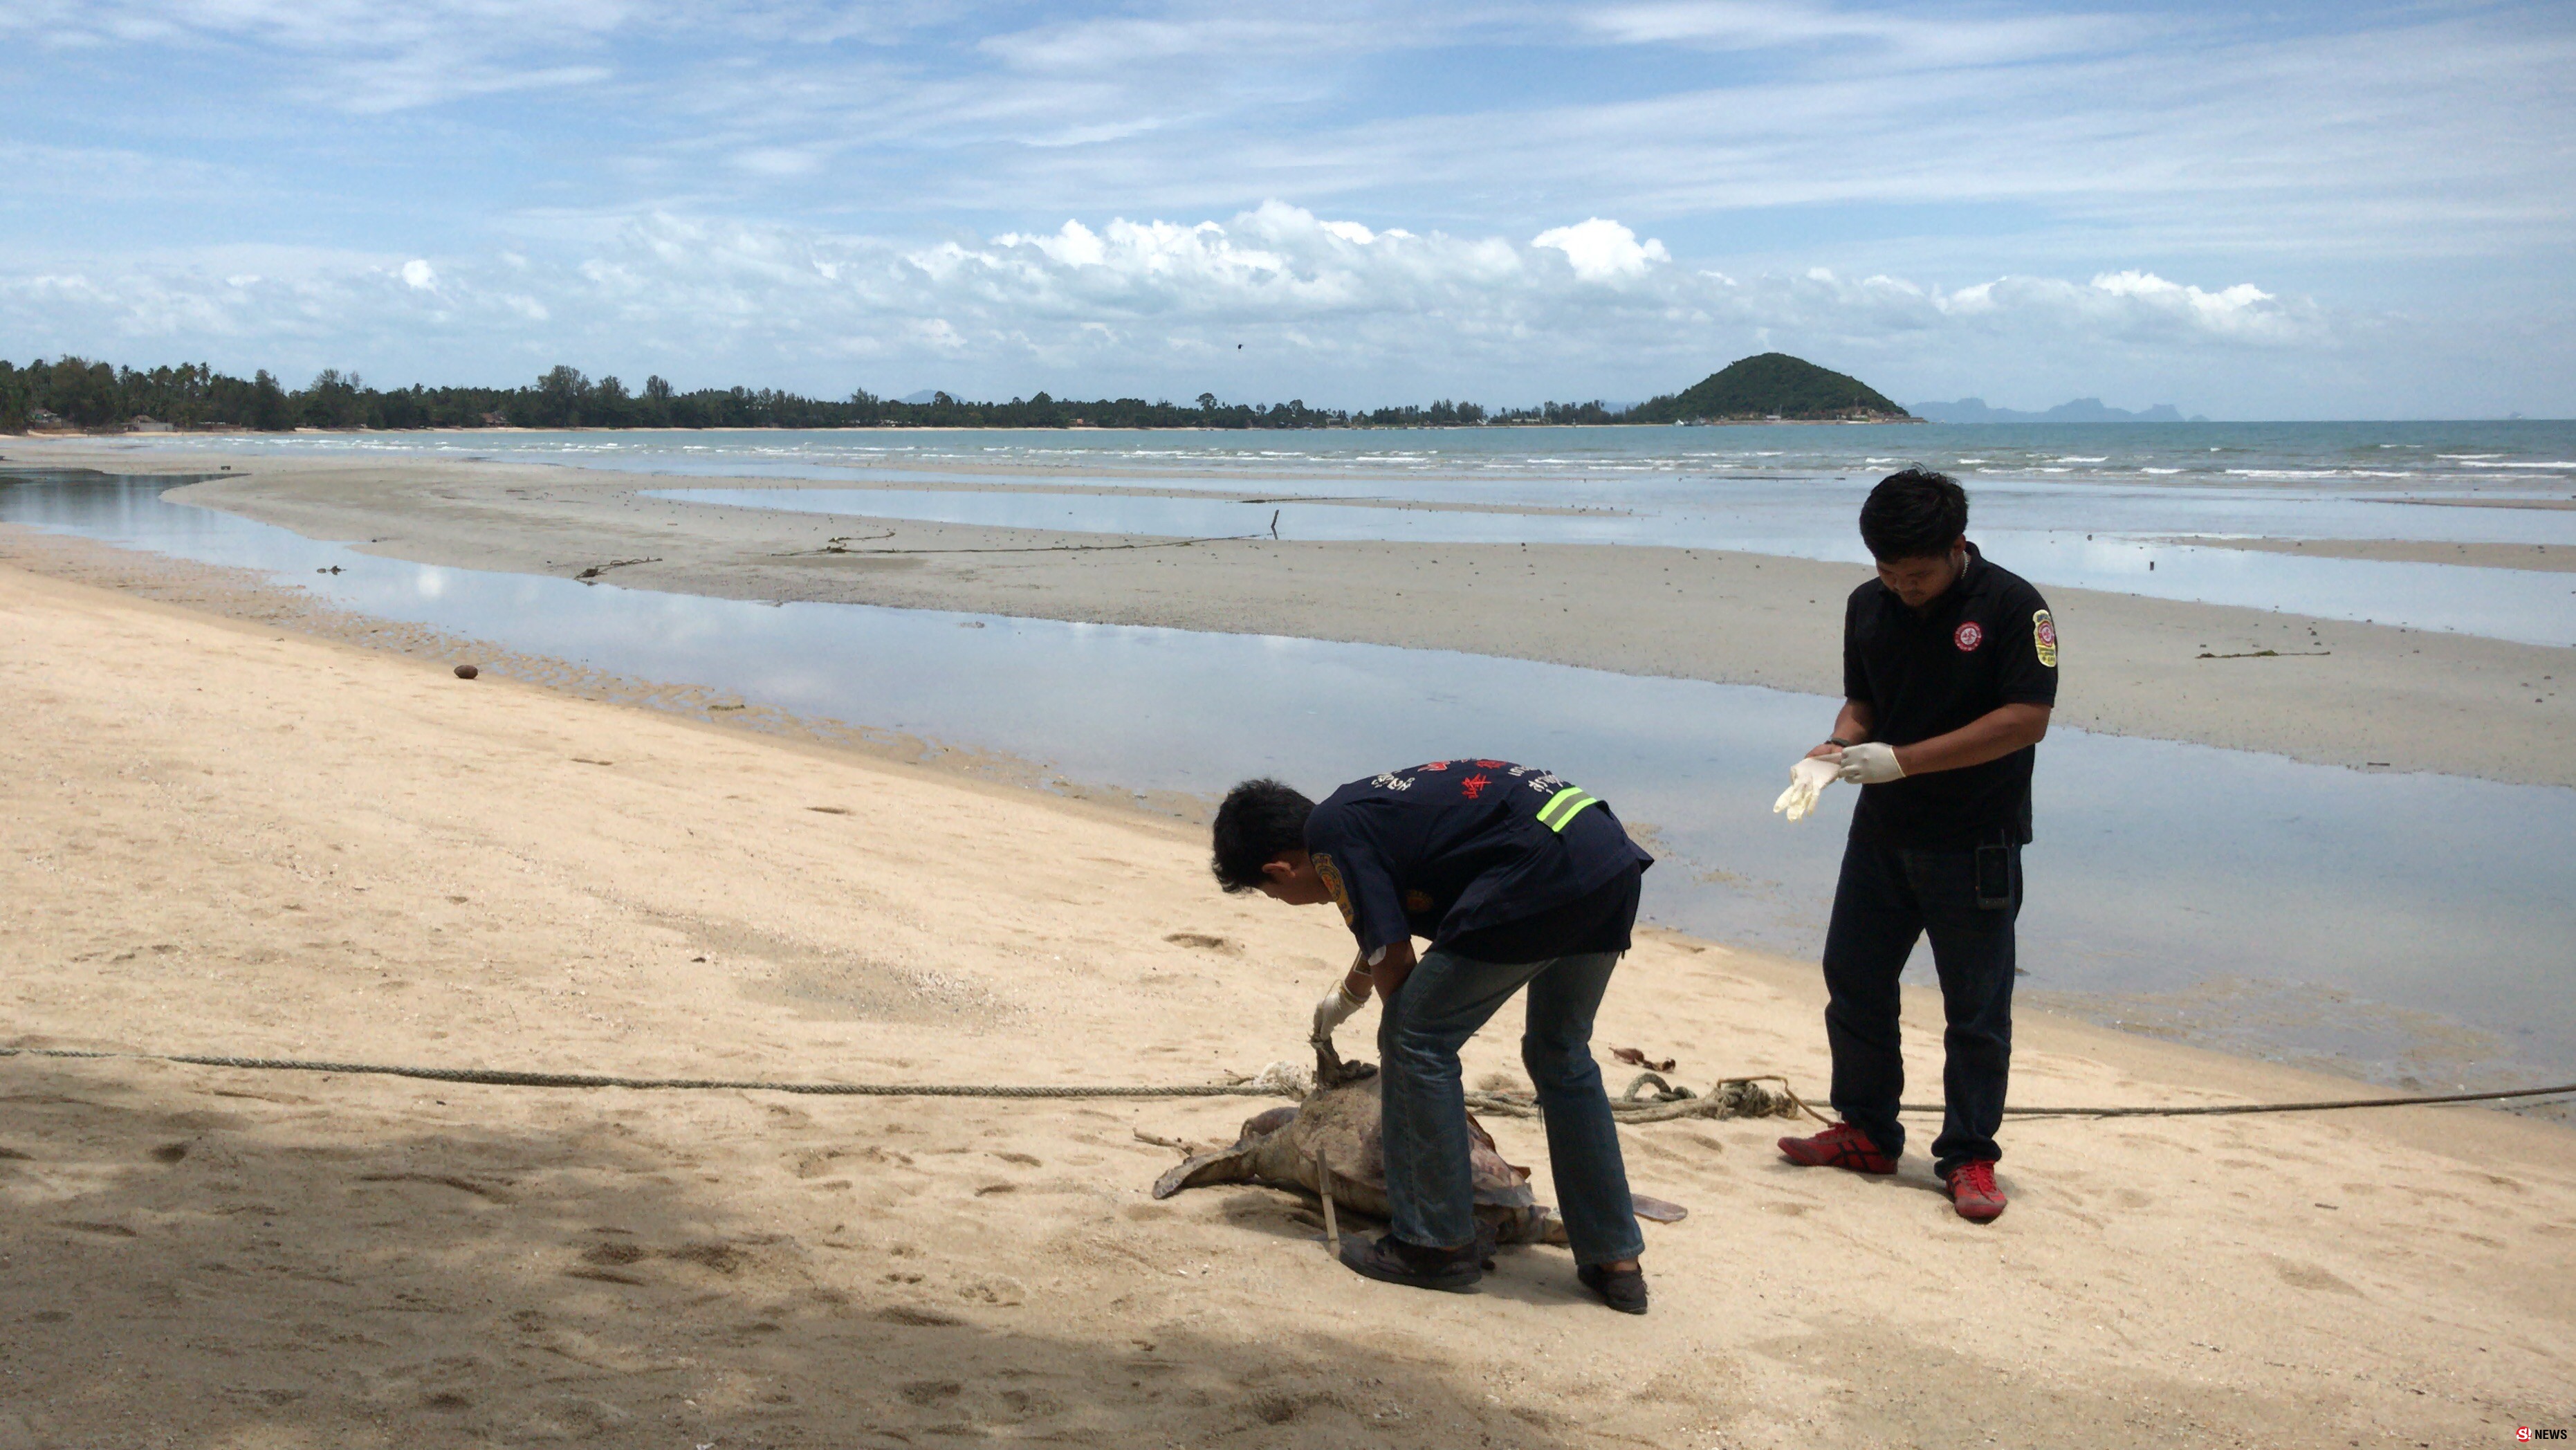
(2043, 634)
(1332, 875)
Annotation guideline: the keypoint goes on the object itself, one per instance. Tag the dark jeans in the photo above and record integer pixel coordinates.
(1429, 1186)
(1886, 899)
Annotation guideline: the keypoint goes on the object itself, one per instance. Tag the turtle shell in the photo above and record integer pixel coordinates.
(1342, 1125)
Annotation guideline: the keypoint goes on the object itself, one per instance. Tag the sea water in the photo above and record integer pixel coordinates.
(2516, 457)
(2110, 506)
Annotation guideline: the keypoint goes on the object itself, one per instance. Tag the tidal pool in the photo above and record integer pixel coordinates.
(2401, 926)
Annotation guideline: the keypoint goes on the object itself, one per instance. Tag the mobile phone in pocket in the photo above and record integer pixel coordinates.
(1994, 878)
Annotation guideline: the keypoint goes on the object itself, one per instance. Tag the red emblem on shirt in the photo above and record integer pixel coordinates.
(1474, 785)
(1969, 636)
(1436, 765)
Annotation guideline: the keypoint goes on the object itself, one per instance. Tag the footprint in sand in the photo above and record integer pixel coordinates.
(2308, 1276)
(912, 1316)
(930, 1392)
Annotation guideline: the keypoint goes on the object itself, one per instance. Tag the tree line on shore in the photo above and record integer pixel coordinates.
(78, 393)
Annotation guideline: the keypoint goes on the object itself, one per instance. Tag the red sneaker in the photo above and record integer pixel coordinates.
(1973, 1191)
(1840, 1146)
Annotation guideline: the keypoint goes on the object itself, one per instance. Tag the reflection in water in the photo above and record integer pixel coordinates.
(2160, 868)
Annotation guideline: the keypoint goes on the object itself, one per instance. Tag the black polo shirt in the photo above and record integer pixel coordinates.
(1985, 643)
(1502, 862)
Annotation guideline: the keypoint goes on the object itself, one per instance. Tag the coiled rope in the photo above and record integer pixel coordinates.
(1734, 1097)
(1741, 1097)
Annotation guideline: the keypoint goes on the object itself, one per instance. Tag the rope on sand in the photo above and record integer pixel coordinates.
(1261, 1087)
(1030, 548)
(1736, 1097)
(2230, 1109)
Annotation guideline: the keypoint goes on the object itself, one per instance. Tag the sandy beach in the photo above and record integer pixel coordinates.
(2331, 691)
(628, 627)
(226, 837)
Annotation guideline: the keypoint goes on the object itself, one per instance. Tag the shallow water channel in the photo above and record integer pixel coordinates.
(2410, 928)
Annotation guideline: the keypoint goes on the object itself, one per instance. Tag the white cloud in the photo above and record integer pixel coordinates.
(2141, 306)
(2211, 134)
(1324, 309)
(779, 161)
(359, 55)
(1083, 46)
(2242, 310)
(1878, 36)
(1602, 251)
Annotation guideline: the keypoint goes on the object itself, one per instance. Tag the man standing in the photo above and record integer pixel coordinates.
(1518, 879)
(1949, 674)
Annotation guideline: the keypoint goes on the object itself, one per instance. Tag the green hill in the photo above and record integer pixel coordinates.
(1772, 385)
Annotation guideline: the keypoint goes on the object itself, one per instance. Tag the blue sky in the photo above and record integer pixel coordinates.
(2306, 211)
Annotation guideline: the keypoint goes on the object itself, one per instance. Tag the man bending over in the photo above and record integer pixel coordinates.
(1517, 879)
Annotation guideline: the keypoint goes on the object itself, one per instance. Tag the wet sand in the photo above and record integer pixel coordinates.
(2541, 557)
(222, 836)
(2545, 504)
(2330, 691)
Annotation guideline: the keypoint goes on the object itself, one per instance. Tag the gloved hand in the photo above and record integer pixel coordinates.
(1870, 763)
(1338, 1007)
(1807, 780)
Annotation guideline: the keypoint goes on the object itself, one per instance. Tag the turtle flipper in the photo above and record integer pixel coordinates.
(1230, 1165)
(1237, 1164)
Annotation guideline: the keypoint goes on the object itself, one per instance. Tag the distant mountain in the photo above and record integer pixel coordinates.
(1772, 385)
(926, 395)
(2082, 410)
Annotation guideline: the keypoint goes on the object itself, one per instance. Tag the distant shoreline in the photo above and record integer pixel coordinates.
(67, 435)
(222, 430)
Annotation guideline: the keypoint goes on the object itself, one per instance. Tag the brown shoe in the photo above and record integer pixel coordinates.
(1623, 1290)
(1394, 1261)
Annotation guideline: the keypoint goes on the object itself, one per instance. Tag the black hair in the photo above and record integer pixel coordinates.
(1917, 514)
(1260, 822)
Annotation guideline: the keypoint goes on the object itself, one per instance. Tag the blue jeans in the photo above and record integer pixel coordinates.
(1429, 1186)
(1888, 898)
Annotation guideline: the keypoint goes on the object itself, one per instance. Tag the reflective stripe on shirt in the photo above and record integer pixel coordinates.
(1565, 806)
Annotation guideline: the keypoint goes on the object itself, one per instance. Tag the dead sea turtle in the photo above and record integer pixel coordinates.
(1339, 1123)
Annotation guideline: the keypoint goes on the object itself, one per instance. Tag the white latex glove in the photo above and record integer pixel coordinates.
(1338, 1007)
(1870, 763)
(1807, 780)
